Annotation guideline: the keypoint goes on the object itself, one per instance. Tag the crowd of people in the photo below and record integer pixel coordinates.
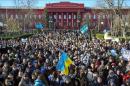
(33, 62)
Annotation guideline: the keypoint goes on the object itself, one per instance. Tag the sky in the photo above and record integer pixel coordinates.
(42, 3)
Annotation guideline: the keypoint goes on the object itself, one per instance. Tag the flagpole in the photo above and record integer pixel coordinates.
(78, 37)
(90, 34)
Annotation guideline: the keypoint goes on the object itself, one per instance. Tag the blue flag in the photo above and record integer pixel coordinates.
(60, 66)
(39, 26)
(64, 63)
(84, 28)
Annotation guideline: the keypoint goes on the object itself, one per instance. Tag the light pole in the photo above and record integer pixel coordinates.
(78, 24)
(50, 24)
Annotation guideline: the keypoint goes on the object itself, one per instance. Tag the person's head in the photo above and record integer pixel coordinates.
(99, 79)
(110, 59)
(24, 61)
(36, 65)
(92, 65)
(29, 64)
(102, 62)
(36, 72)
(89, 69)
(112, 83)
(111, 72)
(128, 82)
(26, 77)
(6, 64)
(118, 72)
(34, 77)
(9, 82)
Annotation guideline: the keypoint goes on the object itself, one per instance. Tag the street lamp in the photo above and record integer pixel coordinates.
(102, 23)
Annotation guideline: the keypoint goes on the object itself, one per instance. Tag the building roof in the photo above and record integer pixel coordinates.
(65, 5)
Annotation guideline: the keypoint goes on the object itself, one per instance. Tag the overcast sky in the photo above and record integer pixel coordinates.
(42, 3)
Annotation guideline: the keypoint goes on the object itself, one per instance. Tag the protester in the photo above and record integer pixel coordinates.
(33, 62)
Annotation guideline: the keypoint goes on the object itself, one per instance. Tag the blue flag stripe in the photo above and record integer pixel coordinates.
(60, 66)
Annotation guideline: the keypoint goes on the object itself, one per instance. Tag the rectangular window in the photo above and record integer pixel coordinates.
(64, 16)
(69, 24)
(2, 16)
(94, 16)
(75, 24)
(127, 16)
(11, 16)
(30, 16)
(16, 16)
(65, 23)
(103, 16)
(25, 16)
(74, 16)
(6, 15)
(89, 16)
(39, 16)
(55, 16)
(50, 17)
(98, 16)
(59, 16)
(69, 16)
(35, 16)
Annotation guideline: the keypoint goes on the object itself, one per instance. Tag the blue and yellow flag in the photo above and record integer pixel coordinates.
(64, 63)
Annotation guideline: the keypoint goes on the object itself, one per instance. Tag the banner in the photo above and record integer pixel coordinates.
(125, 54)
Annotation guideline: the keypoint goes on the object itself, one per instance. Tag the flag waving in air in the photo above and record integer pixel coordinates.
(84, 28)
(64, 63)
(39, 25)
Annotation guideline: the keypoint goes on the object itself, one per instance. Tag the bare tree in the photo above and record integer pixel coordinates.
(12, 25)
(117, 20)
(26, 9)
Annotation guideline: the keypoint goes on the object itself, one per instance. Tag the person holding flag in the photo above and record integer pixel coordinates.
(64, 63)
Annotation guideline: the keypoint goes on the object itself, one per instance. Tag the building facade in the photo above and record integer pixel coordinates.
(63, 15)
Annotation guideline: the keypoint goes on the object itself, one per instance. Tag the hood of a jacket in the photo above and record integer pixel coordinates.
(38, 83)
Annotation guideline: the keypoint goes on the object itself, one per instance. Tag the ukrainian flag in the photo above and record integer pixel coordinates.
(64, 63)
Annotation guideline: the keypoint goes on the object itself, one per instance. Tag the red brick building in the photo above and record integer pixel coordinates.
(64, 15)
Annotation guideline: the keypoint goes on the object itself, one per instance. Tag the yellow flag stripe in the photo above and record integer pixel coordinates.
(68, 62)
(66, 71)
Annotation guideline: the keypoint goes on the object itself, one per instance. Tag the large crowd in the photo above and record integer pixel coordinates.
(33, 62)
